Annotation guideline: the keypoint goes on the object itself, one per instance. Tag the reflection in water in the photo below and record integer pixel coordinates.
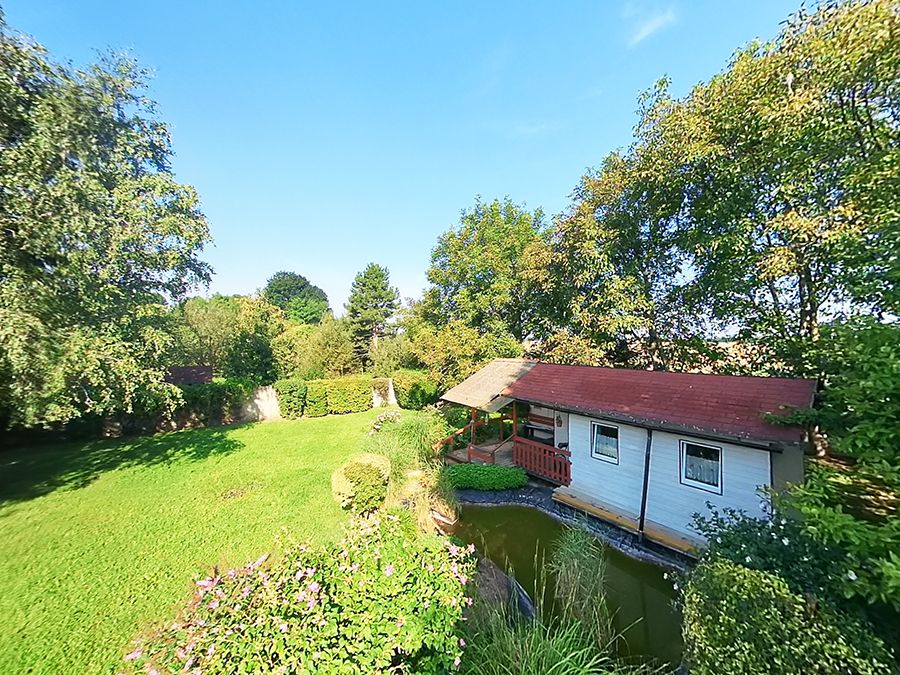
(519, 537)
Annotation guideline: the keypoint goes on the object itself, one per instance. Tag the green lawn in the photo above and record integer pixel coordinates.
(101, 538)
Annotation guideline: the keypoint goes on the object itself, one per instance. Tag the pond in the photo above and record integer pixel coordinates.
(517, 536)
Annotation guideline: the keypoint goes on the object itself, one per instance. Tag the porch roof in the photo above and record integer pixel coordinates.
(484, 389)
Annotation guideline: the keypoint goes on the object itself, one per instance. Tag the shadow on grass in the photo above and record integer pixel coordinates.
(34, 471)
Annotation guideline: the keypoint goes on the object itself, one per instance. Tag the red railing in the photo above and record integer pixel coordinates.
(543, 460)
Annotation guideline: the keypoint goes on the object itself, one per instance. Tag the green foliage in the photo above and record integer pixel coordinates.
(349, 394)
(205, 329)
(381, 385)
(369, 486)
(313, 352)
(421, 432)
(414, 389)
(486, 477)
(301, 301)
(291, 397)
(479, 270)
(250, 352)
(382, 600)
(97, 237)
(392, 353)
(316, 398)
(372, 303)
(743, 621)
(216, 402)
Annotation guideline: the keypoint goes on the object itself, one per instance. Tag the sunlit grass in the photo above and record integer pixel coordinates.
(101, 538)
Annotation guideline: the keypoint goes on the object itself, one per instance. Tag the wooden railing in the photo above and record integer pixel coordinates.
(545, 461)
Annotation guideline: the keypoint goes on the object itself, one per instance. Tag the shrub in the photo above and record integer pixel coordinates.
(316, 398)
(486, 477)
(349, 394)
(382, 600)
(743, 621)
(369, 486)
(421, 432)
(216, 402)
(414, 389)
(291, 397)
(344, 488)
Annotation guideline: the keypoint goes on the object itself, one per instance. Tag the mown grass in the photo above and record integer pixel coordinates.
(102, 538)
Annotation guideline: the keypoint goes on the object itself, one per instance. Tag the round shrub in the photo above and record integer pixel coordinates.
(345, 489)
(383, 600)
(743, 621)
(486, 477)
(291, 397)
(369, 486)
(316, 398)
(414, 389)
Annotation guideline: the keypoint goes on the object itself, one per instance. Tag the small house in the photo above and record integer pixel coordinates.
(642, 449)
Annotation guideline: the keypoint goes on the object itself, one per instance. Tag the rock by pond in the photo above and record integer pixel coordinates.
(520, 538)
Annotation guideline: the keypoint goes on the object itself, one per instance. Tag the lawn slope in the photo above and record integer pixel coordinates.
(101, 538)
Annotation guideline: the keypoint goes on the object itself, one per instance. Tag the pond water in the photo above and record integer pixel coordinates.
(517, 536)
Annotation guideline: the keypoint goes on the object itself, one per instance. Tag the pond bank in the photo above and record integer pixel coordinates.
(540, 496)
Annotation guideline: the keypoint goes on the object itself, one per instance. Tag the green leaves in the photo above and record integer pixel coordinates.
(372, 303)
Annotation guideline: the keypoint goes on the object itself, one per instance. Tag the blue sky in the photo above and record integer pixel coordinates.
(322, 137)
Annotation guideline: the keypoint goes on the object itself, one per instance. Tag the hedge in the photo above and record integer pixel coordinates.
(316, 398)
(414, 389)
(382, 600)
(349, 394)
(743, 621)
(213, 403)
(291, 397)
(486, 477)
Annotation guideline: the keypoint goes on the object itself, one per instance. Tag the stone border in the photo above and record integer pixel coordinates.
(540, 497)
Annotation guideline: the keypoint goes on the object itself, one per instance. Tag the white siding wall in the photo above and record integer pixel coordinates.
(672, 504)
(616, 485)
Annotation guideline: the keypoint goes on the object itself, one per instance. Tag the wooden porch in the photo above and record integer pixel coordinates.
(507, 448)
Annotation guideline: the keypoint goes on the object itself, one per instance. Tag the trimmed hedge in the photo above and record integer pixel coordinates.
(414, 389)
(486, 477)
(349, 394)
(740, 621)
(316, 398)
(213, 403)
(291, 397)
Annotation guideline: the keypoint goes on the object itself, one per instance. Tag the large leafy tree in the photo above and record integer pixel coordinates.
(205, 329)
(479, 269)
(373, 302)
(95, 237)
(301, 301)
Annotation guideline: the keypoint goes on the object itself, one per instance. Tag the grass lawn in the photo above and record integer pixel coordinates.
(101, 538)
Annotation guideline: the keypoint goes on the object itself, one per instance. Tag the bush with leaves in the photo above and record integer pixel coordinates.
(414, 389)
(739, 621)
(358, 489)
(316, 398)
(382, 600)
(369, 486)
(291, 397)
(349, 394)
(486, 477)
(216, 402)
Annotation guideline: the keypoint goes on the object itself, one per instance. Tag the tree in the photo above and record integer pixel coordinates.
(95, 237)
(478, 270)
(250, 353)
(313, 351)
(372, 303)
(205, 330)
(301, 301)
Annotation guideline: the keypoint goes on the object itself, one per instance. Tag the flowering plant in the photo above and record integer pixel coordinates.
(384, 599)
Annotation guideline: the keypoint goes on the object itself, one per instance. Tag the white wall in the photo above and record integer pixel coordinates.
(672, 504)
(616, 485)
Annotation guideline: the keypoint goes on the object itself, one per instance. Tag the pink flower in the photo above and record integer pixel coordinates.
(211, 650)
(463, 579)
(214, 604)
(454, 549)
(389, 570)
(456, 662)
(462, 643)
(283, 628)
(136, 654)
(314, 587)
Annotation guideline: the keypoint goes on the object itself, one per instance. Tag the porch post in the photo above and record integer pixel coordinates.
(471, 435)
(515, 418)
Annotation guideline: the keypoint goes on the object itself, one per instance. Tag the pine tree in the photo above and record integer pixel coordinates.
(371, 305)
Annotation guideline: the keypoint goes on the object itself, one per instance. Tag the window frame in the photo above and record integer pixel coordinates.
(682, 466)
(601, 456)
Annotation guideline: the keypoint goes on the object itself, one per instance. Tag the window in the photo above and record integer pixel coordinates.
(701, 466)
(605, 442)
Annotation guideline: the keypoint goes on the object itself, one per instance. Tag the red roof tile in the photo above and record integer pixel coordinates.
(723, 405)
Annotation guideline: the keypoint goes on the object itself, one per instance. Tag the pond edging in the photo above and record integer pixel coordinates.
(541, 498)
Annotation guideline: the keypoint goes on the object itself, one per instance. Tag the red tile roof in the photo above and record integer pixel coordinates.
(722, 405)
